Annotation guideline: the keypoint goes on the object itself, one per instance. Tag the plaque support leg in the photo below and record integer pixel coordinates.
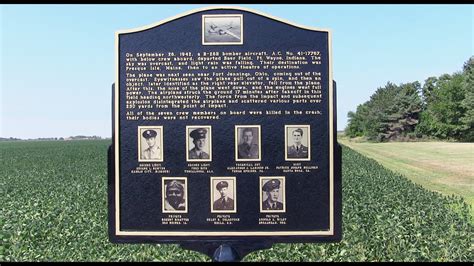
(226, 251)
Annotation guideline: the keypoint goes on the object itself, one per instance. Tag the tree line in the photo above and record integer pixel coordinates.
(443, 108)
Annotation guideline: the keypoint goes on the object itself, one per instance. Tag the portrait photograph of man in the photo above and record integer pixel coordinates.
(199, 143)
(272, 193)
(150, 140)
(247, 143)
(297, 143)
(223, 194)
(174, 195)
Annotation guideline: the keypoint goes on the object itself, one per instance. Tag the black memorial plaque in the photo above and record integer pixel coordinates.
(224, 130)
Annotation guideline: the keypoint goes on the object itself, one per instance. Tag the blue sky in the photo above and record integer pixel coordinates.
(57, 61)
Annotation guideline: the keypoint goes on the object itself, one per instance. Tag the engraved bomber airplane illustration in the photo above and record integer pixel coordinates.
(214, 29)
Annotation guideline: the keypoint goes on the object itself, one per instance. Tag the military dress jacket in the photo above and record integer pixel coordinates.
(248, 151)
(267, 206)
(302, 152)
(221, 205)
(194, 155)
(151, 153)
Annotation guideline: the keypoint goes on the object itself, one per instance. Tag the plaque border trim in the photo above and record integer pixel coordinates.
(329, 232)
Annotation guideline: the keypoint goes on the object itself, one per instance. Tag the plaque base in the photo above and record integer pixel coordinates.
(229, 251)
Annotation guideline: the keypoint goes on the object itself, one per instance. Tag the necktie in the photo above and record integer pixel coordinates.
(274, 205)
(200, 155)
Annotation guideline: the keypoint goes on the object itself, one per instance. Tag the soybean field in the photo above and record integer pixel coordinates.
(54, 208)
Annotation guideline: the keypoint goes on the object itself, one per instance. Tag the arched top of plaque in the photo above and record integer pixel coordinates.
(212, 8)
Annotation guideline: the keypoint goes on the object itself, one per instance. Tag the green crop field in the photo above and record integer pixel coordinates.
(445, 167)
(54, 208)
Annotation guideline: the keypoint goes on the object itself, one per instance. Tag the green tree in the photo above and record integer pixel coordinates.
(443, 108)
(379, 111)
(442, 117)
(468, 102)
(403, 112)
(353, 128)
(357, 122)
(427, 90)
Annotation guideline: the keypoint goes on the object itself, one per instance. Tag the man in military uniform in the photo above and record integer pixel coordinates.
(225, 202)
(247, 149)
(272, 189)
(297, 150)
(199, 140)
(153, 151)
(174, 200)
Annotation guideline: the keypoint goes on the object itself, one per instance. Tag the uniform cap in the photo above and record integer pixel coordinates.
(271, 185)
(222, 184)
(149, 133)
(199, 133)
